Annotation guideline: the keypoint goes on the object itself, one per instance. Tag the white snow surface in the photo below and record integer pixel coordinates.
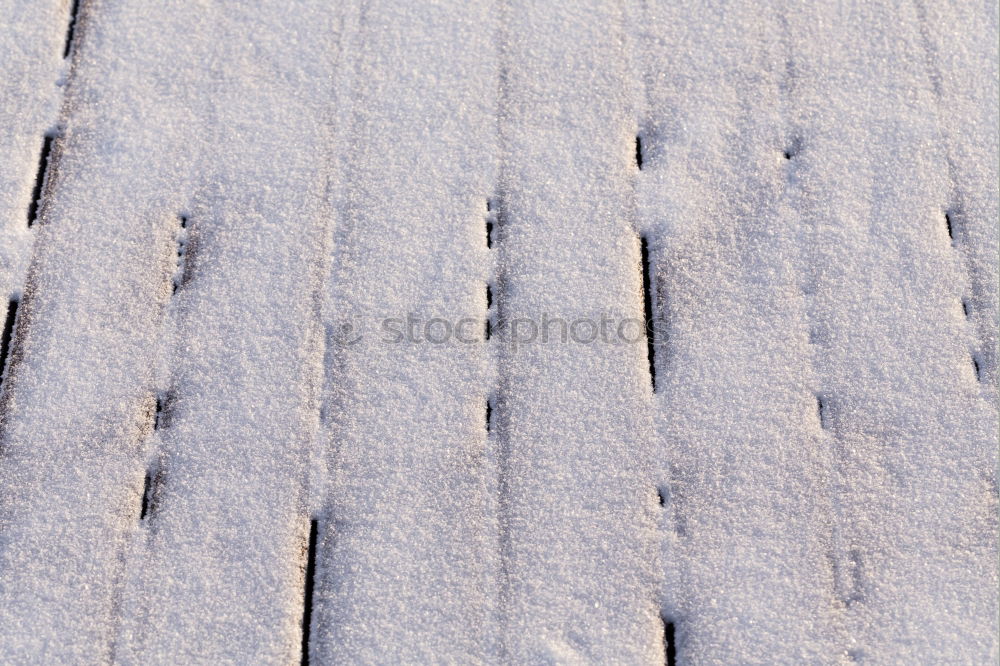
(245, 202)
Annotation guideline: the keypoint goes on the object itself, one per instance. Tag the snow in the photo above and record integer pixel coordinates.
(244, 204)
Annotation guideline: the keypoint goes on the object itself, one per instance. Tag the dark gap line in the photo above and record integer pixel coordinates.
(180, 276)
(638, 152)
(159, 421)
(794, 148)
(164, 406)
(488, 325)
(147, 486)
(821, 411)
(40, 175)
(8, 335)
(950, 221)
(661, 494)
(71, 28)
(669, 642)
(491, 215)
(307, 602)
(489, 415)
(647, 301)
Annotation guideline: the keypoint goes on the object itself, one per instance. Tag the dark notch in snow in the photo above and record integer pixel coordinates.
(490, 217)
(151, 486)
(164, 403)
(949, 224)
(951, 220)
(180, 276)
(147, 486)
(40, 176)
(793, 148)
(661, 495)
(647, 302)
(8, 336)
(489, 415)
(307, 601)
(489, 304)
(638, 151)
(158, 417)
(669, 642)
(821, 411)
(71, 28)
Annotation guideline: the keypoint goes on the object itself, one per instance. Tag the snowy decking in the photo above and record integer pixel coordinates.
(253, 249)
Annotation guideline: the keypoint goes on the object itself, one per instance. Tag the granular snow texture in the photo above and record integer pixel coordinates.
(325, 331)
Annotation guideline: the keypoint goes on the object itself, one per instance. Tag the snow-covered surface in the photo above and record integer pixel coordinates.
(244, 203)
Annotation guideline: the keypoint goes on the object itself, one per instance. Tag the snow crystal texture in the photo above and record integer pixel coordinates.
(324, 334)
